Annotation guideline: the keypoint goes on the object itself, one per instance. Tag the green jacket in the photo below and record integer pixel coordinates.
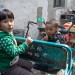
(9, 50)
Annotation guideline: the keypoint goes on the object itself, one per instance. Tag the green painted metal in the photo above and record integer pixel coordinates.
(48, 53)
(40, 19)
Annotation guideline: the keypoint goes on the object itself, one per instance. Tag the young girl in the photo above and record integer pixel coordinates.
(9, 51)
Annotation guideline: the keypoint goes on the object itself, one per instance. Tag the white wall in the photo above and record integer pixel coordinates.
(25, 10)
(69, 4)
(44, 4)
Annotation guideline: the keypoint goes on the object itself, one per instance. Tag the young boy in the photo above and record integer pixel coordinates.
(52, 35)
(9, 51)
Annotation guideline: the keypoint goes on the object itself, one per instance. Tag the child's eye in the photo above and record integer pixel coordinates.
(5, 21)
(11, 20)
(47, 28)
(51, 29)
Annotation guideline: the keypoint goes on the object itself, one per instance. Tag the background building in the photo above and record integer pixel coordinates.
(30, 10)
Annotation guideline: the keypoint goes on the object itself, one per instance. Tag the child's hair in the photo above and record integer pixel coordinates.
(53, 22)
(5, 13)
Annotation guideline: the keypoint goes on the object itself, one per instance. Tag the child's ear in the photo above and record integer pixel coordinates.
(57, 29)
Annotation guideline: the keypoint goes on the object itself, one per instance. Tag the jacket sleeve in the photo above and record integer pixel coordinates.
(61, 39)
(10, 48)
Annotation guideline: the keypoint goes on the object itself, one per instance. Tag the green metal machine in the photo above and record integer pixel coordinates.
(56, 56)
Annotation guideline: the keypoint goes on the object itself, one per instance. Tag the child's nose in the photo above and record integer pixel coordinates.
(48, 31)
(9, 23)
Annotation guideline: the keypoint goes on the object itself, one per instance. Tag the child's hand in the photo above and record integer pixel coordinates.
(45, 38)
(29, 41)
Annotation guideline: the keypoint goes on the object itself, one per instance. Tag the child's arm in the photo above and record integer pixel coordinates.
(10, 48)
(28, 41)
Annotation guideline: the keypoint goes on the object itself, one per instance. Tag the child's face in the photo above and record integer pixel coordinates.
(50, 30)
(7, 25)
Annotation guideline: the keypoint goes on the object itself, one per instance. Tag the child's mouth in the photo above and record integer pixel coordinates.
(10, 28)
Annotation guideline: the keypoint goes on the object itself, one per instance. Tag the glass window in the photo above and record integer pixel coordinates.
(59, 3)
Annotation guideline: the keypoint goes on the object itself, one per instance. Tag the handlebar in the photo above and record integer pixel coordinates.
(32, 22)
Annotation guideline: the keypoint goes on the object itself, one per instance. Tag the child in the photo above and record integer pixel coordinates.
(9, 51)
(52, 35)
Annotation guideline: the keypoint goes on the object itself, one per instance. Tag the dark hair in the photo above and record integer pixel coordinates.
(5, 13)
(52, 22)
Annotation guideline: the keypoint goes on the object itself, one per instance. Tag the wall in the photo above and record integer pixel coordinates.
(73, 4)
(24, 11)
(69, 4)
(55, 12)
